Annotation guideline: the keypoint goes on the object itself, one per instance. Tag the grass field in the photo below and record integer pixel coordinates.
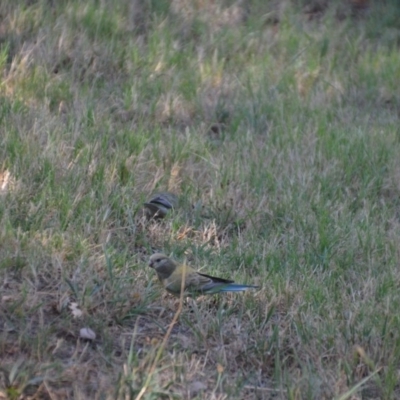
(278, 125)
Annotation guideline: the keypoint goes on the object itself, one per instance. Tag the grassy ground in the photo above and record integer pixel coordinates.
(278, 121)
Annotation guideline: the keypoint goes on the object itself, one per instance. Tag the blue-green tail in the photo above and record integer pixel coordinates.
(230, 287)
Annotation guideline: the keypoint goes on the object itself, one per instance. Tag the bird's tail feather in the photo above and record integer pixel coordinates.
(232, 287)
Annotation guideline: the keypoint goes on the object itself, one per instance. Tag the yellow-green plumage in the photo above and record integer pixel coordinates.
(171, 274)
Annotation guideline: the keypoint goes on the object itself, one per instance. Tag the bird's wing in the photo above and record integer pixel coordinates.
(215, 279)
(163, 199)
(173, 283)
(205, 283)
(194, 281)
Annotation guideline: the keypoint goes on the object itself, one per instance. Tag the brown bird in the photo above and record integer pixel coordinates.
(160, 204)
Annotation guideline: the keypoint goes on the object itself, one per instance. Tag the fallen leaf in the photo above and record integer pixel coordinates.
(87, 333)
(76, 311)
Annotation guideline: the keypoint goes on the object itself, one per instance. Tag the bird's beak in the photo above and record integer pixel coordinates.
(151, 264)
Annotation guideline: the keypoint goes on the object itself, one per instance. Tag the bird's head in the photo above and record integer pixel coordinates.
(162, 264)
